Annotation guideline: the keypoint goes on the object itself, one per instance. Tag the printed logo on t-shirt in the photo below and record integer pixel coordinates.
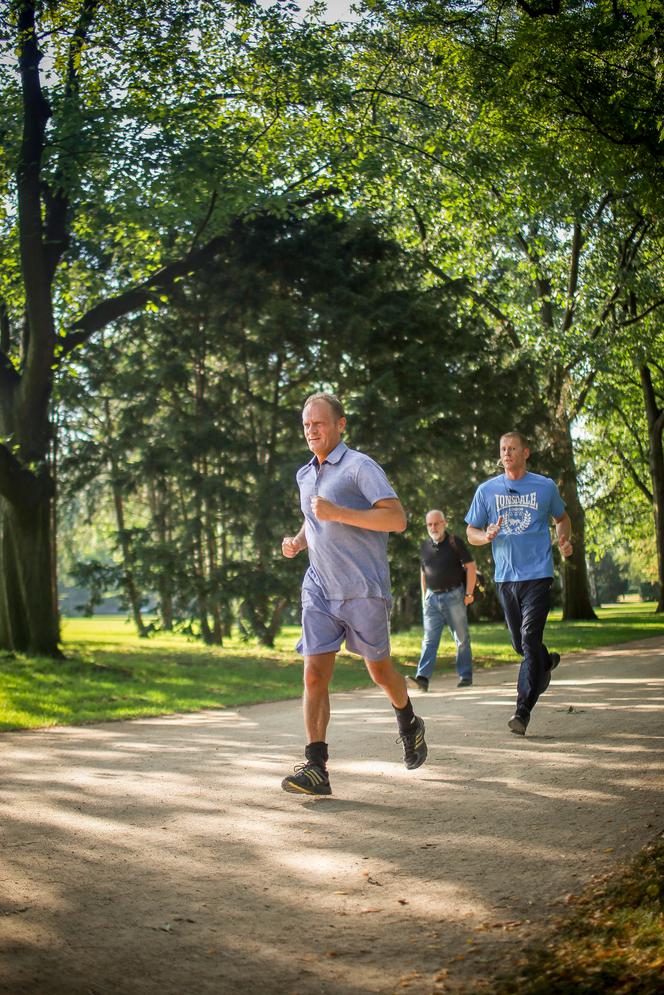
(515, 511)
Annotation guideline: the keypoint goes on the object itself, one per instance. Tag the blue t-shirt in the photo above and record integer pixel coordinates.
(345, 561)
(522, 548)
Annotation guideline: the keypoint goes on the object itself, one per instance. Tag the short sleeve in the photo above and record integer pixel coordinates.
(373, 483)
(477, 513)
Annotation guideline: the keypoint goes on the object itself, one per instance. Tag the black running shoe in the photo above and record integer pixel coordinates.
(421, 683)
(414, 747)
(518, 724)
(555, 660)
(308, 779)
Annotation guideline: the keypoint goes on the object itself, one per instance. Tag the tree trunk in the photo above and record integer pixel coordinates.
(655, 418)
(577, 603)
(159, 509)
(275, 622)
(28, 609)
(128, 579)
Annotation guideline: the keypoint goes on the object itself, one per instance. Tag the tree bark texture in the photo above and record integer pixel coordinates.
(577, 603)
(28, 609)
(655, 418)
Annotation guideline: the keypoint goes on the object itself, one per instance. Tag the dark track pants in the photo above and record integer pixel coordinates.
(526, 604)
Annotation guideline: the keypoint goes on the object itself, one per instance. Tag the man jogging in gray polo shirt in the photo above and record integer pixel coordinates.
(349, 508)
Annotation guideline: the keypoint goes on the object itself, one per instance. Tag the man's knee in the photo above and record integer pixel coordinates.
(316, 676)
(381, 671)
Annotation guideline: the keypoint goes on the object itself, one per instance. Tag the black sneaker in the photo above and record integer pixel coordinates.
(419, 682)
(308, 779)
(465, 682)
(414, 747)
(555, 660)
(518, 724)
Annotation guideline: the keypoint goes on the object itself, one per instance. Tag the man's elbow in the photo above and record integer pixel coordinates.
(401, 521)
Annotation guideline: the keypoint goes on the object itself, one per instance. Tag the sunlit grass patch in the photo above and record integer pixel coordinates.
(109, 673)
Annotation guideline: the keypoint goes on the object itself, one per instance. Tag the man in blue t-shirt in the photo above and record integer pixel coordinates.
(512, 512)
(349, 509)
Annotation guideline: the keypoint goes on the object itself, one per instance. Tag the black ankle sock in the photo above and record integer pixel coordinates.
(405, 716)
(317, 754)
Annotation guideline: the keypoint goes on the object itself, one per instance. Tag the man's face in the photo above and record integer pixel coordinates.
(513, 455)
(435, 525)
(322, 429)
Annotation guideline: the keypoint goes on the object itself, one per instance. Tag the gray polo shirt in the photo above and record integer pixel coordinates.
(345, 561)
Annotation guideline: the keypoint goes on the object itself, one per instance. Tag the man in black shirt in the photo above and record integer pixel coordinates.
(447, 574)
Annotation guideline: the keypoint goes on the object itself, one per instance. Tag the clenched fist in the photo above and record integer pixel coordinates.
(565, 546)
(324, 510)
(290, 546)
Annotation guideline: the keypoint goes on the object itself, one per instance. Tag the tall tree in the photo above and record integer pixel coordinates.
(135, 134)
(552, 216)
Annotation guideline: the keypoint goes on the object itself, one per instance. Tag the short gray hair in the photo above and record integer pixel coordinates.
(331, 399)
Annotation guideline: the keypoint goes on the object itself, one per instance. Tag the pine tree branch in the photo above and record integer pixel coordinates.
(163, 280)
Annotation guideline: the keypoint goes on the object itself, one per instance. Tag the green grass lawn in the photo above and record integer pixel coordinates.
(110, 674)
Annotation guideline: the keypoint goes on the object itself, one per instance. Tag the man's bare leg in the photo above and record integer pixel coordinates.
(411, 728)
(316, 700)
(312, 777)
(383, 674)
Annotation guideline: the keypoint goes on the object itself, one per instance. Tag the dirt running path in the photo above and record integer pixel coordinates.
(160, 856)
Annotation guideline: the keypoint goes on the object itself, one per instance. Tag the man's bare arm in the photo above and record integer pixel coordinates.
(480, 537)
(564, 534)
(471, 577)
(385, 516)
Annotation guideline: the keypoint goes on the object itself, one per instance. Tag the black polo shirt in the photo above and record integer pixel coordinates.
(442, 563)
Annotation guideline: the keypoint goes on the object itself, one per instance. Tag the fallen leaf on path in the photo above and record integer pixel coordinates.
(371, 910)
(339, 892)
(331, 953)
(402, 901)
(373, 881)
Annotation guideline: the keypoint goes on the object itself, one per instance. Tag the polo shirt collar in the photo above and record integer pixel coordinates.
(332, 457)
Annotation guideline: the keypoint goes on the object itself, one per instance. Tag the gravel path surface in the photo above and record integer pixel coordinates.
(160, 856)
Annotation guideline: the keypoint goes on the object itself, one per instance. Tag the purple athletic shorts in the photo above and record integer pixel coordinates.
(363, 623)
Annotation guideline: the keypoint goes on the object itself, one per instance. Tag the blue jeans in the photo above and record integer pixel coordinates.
(438, 611)
(526, 604)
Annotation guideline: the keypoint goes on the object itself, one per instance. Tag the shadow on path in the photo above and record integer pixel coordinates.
(160, 856)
